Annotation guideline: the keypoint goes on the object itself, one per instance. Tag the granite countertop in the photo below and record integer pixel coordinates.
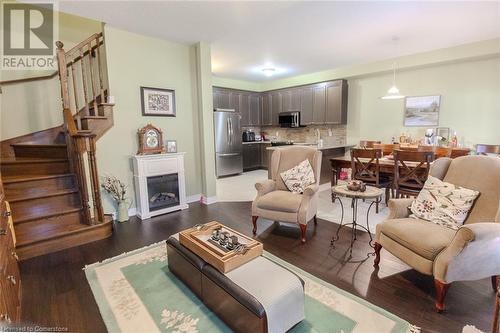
(255, 142)
(313, 145)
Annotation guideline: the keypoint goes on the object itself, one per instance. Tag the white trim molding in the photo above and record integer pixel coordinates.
(208, 200)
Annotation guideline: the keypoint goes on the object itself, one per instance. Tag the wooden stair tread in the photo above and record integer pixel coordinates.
(69, 230)
(47, 215)
(94, 117)
(28, 178)
(40, 145)
(29, 160)
(47, 194)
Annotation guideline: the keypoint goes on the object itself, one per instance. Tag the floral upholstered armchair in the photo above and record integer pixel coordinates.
(275, 202)
(470, 253)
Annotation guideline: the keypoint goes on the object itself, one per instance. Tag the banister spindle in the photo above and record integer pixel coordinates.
(84, 79)
(99, 60)
(75, 89)
(92, 82)
(63, 74)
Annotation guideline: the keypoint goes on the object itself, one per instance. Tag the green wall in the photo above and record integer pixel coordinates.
(470, 102)
(133, 61)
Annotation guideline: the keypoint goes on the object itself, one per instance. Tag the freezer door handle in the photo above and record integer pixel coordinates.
(229, 154)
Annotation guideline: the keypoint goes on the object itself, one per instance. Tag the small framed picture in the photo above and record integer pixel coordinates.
(171, 146)
(157, 102)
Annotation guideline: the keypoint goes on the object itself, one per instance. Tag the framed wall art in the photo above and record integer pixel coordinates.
(157, 102)
(422, 111)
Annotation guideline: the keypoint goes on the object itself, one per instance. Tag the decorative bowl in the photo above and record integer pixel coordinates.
(356, 185)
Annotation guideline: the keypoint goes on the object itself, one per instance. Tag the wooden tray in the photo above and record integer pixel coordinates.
(197, 241)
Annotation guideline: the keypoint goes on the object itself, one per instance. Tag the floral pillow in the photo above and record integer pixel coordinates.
(443, 203)
(299, 177)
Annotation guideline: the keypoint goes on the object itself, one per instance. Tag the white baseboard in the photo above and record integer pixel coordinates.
(193, 198)
(208, 200)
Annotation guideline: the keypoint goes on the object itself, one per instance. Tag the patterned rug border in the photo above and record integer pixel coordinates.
(111, 325)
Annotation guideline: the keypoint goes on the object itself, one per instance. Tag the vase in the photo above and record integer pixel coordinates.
(122, 214)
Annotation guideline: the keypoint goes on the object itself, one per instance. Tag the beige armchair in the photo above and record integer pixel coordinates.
(275, 202)
(470, 253)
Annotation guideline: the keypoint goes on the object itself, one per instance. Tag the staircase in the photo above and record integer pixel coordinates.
(46, 174)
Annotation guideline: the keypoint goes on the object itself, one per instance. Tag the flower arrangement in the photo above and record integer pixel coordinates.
(115, 187)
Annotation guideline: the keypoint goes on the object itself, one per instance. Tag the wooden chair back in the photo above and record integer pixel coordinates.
(457, 152)
(482, 149)
(386, 148)
(367, 171)
(409, 178)
(438, 151)
(367, 144)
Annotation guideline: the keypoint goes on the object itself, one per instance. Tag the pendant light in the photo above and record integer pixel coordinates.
(393, 92)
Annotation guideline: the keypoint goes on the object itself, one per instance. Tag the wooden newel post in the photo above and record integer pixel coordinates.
(94, 179)
(63, 74)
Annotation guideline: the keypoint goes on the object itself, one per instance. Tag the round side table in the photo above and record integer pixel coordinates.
(372, 193)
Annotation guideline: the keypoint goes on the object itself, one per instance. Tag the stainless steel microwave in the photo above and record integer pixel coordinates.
(289, 119)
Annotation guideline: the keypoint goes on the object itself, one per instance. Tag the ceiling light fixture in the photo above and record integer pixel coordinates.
(268, 71)
(393, 92)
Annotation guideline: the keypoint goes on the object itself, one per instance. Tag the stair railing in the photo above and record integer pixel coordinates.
(83, 89)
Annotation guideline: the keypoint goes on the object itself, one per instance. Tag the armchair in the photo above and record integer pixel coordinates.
(275, 202)
(472, 252)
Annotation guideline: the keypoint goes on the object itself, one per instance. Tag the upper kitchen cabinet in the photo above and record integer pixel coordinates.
(290, 99)
(245, 108)
(306, 105)
(222, 99)
(255, 113)
(276, 103)
(267, 110)
(336, 102)
(319, 103)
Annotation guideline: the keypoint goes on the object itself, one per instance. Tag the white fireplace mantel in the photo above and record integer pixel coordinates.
(157, 165)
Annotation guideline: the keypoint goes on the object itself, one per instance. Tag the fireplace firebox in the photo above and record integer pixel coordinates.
(159, 183)
(163, 191)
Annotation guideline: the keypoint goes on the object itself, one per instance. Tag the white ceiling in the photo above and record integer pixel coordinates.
(300, 37)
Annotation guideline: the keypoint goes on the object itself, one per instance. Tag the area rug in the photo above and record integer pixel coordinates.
(136, 292)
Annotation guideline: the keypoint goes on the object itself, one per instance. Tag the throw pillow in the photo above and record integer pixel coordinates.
(299, 177)
(443, 203)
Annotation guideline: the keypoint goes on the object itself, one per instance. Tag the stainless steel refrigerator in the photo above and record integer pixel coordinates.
(228, 147)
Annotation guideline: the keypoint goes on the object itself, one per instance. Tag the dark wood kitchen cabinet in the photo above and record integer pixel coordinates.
(276, 107)
(306, 105)
(254, 110)
(319, 103)
(245, 109)
(267, 113)
(251, 156)
(290, 99)
(336, 102)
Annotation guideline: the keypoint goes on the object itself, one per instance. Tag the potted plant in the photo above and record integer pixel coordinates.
(118, 191)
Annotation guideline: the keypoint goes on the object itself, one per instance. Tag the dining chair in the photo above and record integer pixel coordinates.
(387, 148)
(366, 167)
(411, 169)
(367, 143)
(483, 149)
(437, 150)
(458, 152)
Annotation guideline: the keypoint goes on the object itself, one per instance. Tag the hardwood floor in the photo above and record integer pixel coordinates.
(56, 293)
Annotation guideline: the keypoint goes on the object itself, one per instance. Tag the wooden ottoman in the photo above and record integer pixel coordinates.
(259, 296)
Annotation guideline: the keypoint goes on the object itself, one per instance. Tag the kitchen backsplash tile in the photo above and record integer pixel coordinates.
(335, 134)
